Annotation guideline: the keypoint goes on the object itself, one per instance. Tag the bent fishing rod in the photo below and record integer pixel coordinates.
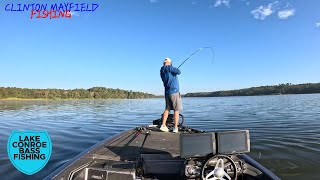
(200, 49)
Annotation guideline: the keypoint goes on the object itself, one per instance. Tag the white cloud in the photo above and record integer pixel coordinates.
(222, 2)
(154, 1)
(318, 24)
(73, 13)
(284, 14)
(262, 12)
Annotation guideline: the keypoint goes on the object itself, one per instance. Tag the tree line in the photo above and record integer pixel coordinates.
(92, 93)
(288, 88)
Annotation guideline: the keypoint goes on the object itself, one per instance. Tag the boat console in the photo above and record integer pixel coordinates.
(206, 156)
(213, 155)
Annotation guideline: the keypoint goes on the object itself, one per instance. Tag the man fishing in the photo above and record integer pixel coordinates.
(169, 76)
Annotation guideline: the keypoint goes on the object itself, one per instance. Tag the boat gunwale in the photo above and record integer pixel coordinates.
(259, 166)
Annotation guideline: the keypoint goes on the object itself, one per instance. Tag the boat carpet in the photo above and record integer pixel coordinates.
(120, 147)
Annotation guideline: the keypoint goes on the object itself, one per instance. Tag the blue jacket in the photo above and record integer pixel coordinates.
(169, 76)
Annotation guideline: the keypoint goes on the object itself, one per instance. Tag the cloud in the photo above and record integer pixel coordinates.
(284, 14)
(73, 13)
(222, 3)
(262, 12)
(154, 1)
(318, 24)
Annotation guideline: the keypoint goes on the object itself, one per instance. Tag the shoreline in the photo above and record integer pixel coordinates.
(44, 99)
(249, 95)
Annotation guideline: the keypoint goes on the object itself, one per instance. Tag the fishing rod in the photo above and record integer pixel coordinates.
(200, 49)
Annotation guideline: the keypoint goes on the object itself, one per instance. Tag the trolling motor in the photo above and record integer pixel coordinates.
(181, 125)
(170, 121)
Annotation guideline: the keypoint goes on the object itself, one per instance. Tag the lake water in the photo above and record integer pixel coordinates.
(285, 130)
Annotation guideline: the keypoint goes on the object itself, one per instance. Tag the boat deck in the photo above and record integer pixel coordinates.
(128, 146)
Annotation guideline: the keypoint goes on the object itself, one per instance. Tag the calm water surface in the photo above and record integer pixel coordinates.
(285, 130)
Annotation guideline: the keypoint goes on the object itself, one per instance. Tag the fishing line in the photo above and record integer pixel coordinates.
(200, 49)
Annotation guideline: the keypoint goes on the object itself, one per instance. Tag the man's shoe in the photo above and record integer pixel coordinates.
(164, 129)
(175, 130)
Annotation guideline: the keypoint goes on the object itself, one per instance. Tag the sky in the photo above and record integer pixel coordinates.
(122, 44)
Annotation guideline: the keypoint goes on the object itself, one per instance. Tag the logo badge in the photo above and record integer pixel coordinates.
(29, 151)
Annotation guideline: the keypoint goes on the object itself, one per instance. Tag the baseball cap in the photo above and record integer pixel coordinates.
(167, 60)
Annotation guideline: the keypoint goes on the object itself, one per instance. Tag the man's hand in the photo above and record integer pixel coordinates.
(175, 70)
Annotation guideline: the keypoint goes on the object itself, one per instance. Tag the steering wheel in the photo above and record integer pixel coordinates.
(219, 162)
